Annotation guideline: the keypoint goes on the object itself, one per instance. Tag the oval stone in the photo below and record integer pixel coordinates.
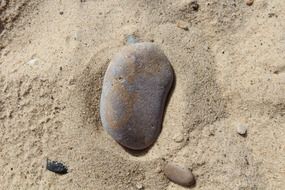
(135, 88)
(178, 174)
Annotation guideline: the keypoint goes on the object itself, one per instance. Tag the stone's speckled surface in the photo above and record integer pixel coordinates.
(178, 174)
(135, 88)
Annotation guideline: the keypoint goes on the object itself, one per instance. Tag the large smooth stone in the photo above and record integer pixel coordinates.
(135, 88)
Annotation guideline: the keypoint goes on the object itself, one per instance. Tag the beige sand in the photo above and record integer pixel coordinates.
(229, 69)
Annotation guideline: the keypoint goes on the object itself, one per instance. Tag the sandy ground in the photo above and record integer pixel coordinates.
(229, 69)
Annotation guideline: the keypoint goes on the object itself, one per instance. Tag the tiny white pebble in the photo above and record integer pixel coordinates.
(158, 169)
(139, 186)
(241, 129)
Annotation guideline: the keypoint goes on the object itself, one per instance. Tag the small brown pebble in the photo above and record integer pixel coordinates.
(179, 175)
(249, 2)
(182, 24)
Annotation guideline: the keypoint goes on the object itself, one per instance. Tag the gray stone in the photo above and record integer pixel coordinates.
(135, 88)
(179, 174)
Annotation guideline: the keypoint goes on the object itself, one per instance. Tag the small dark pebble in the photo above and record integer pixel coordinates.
(61, 12)
(194, 5)
(56, 167)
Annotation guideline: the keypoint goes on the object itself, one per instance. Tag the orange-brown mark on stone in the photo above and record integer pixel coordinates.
(128, 99)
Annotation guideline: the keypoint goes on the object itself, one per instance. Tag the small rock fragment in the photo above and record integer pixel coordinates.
(139, 186)
(56, 167)
(178, 174)
(182, 24)
(241, 129)
(249, 2)
(194, 5)
(178, 138)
